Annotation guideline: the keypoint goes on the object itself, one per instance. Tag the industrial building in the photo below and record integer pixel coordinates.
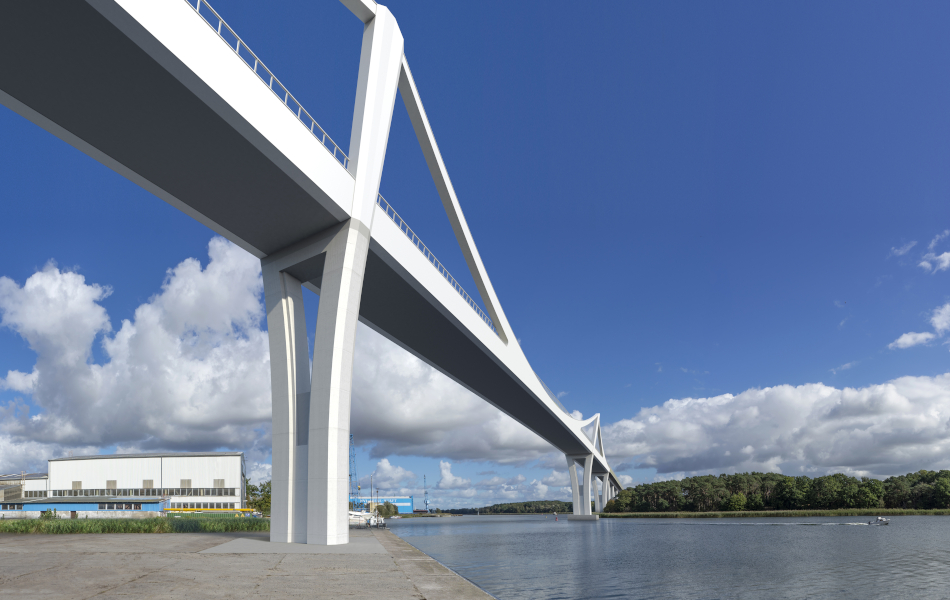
(403, 503)
(116, 484)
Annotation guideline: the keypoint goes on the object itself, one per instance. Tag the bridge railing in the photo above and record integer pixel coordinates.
(214, 20)
(392, 214)
(555, 399)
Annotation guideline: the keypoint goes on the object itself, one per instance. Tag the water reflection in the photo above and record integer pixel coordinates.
(533, 557)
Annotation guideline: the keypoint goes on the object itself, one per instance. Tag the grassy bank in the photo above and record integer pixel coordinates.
(152, 525)
(850, 512)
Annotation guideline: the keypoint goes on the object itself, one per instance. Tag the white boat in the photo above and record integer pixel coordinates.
(363, 519)
(880, 521)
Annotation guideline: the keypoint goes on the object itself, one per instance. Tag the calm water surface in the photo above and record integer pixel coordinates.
(533, 557)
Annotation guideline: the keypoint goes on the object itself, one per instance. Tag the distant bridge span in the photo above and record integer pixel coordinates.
(166, 94)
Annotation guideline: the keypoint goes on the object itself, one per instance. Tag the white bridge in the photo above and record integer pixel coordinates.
(166, 94)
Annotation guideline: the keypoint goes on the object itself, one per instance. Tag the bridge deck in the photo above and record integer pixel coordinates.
(147, 88)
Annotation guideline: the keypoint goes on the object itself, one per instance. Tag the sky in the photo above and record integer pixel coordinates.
(722, 226)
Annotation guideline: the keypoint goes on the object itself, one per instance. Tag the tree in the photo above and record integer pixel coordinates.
(735, 502)
(941, 492)
(258, 497)
(870, 494)
(755, 502)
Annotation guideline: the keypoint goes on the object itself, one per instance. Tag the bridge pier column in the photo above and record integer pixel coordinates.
(580, 483)
(311, 409)
(332, 380)
(290, 397)
(600, 494)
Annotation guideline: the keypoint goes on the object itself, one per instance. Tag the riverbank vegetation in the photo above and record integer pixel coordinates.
(168, 524)
(518, 508)
(850, 512)
(923, 491)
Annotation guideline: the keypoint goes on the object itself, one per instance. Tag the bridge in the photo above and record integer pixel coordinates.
(166, 94)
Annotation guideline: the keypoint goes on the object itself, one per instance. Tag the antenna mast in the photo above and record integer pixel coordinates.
(426, 489)
(354, 479)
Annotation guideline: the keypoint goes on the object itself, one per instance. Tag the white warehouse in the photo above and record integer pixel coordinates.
(136, 482)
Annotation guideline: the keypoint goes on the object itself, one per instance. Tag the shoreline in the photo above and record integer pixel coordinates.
(842, 512)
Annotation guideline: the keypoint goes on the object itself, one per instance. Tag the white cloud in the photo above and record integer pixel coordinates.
(903, 249)
(933, 243)
(189, 370)
(911, 339)
(388, 476)
(449, 481)
(19, 382)
(935, 262)
(557, 478)
(885, 429)
(844, 367)
(402, 406)
(941, 319)
(258, 472)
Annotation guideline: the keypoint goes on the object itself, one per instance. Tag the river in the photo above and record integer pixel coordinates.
(532, 557)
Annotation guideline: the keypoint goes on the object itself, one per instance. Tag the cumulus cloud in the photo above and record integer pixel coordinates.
(388, 476)
(911, 339)
(939, 319)
(189, 371)
(933, 262)
(901, 251)
(899, 426)
(448, 481)
(402, 406)
(19, 382)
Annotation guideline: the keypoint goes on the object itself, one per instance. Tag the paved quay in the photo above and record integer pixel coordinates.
(376, 564)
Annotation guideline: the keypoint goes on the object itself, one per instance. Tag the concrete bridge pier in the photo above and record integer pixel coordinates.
(311, 422)
(579, 467)
(601, 483)
(311, 411)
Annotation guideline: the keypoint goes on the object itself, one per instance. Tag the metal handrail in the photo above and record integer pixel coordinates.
(238, 46)
(432, 259)
(555, 399)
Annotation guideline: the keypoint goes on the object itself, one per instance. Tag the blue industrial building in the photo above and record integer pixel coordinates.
(403, 503)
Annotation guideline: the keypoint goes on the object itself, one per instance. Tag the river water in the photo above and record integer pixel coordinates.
(534, 557)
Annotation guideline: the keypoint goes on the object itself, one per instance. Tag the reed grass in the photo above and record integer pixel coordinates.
(150, 525)
(846, 512)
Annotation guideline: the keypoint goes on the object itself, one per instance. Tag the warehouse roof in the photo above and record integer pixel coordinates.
(149, 455)
(18, 477)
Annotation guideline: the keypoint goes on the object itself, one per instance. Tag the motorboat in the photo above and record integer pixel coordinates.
(363, 519)
(880, 521)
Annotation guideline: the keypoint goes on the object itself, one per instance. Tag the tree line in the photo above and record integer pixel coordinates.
(774, 491)
(517, 508)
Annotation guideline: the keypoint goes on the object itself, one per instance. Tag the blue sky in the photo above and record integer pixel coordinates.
(673, 200)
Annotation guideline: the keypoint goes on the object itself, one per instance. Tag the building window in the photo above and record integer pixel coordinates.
(77, 485)
(219, 483)
(148, 483)
(111, 484)
(186, 483)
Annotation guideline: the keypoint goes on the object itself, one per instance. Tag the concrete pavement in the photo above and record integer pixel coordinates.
(376, 564)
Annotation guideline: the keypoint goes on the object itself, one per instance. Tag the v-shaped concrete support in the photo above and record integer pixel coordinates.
(311, 421)
(440, 175)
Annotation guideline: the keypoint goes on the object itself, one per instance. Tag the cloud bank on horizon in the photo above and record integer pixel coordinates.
(190, 370)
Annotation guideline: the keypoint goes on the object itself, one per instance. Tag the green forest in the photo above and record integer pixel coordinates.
(517, 508)
(772, 491)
